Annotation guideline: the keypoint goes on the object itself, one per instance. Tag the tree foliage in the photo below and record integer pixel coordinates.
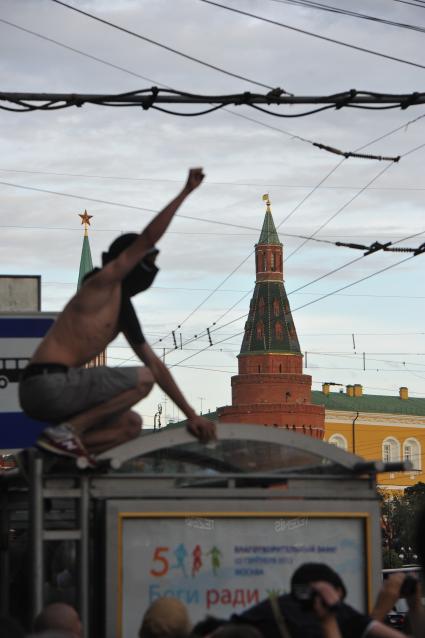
(399, 515)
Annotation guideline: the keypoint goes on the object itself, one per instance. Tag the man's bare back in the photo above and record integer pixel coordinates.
(96, 402)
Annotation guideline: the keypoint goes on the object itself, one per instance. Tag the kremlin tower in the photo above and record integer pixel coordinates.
(271, 388)
(86, 266)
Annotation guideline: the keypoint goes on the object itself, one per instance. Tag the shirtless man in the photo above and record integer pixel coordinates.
(90, 407)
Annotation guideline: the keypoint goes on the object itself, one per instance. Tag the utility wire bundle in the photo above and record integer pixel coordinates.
(151, 97)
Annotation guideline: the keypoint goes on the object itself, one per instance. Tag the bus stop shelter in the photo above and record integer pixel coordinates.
(219, 526)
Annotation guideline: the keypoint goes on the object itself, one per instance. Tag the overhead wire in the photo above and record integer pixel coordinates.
(259, 122)
(213, 330)
(377, 176)
(134, 207)
(413, 4)
(339, 211)
(317, 230)
(365, 278)
(89, 16)
(349, 13)
(161, 45)
(310, 33)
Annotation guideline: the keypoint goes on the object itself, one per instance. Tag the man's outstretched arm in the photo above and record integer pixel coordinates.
(199, 426)
(123, 264)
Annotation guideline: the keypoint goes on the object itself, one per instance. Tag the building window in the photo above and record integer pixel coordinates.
(261, 305)
(339, 441)
(260, 330)
(412, 452)
(276, 307)
(390, 450)
(278, 330)
(272, 262)
(264, 262)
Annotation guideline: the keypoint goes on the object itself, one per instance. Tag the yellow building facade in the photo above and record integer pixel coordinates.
(377, 427)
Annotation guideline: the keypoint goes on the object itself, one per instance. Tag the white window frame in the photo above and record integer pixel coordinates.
(415, 457)
(394, 449)
(339, 441)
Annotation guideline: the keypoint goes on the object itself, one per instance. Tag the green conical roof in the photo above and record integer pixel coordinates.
(270, 326)
(268, 232)
(86, 264)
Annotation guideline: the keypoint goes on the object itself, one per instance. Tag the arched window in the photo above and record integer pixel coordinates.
(412, 452)
(339, 441)
(261, 305)
(260, 330)
(272, 262)
(390, 450)
(264, 262)
(276, 307)
(278, 330)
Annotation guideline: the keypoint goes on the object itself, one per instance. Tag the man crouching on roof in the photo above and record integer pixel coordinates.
(90, 407)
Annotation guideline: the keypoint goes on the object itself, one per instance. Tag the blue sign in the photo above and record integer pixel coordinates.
(19, 337)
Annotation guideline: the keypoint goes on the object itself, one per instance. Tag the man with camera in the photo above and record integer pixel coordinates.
(314, 608)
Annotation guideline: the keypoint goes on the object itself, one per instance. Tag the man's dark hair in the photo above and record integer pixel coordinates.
(313, 572)
(118, 245)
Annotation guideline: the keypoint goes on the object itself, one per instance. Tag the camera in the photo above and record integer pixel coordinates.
(305, 595)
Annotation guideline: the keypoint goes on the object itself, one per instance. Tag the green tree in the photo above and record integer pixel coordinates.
(399, 519)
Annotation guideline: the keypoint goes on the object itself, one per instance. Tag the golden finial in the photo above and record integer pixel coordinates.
(85, 219)
(268, 204)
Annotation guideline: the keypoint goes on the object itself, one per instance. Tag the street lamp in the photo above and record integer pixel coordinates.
(406, 554)
(157, 417)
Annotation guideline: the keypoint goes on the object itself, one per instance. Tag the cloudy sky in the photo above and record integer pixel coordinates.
(128, 158)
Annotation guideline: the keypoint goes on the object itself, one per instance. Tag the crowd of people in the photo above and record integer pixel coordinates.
(315, 607)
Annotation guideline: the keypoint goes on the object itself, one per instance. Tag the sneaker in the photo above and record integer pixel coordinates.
(63, 440)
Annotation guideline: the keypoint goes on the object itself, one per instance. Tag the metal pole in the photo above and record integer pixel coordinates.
(36, 529)
(354, 432)
(84, 565)
(4, 549)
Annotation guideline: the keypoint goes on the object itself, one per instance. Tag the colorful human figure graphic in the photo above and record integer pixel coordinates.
(197, 560)
(215, 559)
(181, 554)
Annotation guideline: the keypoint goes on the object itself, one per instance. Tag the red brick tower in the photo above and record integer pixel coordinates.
(271, 388)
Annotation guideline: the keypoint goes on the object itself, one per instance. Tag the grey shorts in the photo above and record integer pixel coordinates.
(57, 396)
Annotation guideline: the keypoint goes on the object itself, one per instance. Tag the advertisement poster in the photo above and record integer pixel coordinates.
(220, 565)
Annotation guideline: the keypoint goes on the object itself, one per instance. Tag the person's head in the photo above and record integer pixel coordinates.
(143, 274)
(59, 617)
(236, 631)
(165, 618)
(310, 573)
